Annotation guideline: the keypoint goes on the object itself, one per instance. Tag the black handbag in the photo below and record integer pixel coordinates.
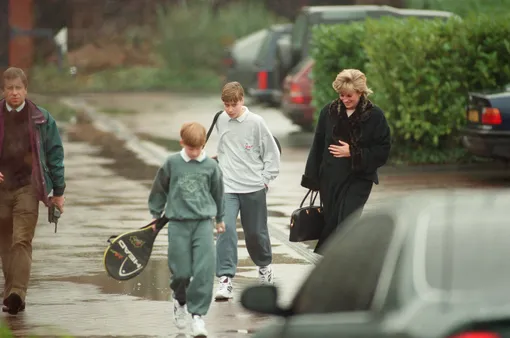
(307, 223)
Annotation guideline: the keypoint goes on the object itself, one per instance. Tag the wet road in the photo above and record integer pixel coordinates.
(70, 292)
(108, 183)
(163, 113)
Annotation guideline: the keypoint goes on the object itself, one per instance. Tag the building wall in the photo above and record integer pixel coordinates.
(21, 46)
(4, 34)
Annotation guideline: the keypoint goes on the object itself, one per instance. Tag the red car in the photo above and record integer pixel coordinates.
(297, 95)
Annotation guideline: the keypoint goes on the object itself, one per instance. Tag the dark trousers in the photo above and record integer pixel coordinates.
(19, 210)
(341, 201)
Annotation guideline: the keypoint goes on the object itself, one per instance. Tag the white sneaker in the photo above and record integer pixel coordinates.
(225, 289)
(180, 314)
(198, 327)
(266, 275)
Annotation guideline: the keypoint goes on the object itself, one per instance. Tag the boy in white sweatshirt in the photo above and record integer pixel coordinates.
(249, 159)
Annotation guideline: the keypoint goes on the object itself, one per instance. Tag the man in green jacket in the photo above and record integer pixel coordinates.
(31, 167)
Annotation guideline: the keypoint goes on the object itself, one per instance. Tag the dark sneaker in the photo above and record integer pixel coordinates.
(13, 304)
(6, 309)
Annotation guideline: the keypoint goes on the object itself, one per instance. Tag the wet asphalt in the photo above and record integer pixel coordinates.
(108, 183)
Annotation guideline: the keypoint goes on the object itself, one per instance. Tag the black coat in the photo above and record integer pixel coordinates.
(345, 183)
(367, 133)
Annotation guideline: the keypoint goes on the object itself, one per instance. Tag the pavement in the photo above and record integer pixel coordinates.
(70, 292)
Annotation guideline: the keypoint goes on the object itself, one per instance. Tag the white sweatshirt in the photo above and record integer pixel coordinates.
(247, 152)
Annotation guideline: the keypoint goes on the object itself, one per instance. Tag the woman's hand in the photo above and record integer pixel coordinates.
(343, 150)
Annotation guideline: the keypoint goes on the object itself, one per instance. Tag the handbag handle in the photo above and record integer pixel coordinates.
(313, 196)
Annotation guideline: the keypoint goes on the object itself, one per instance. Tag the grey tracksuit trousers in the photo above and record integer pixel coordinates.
(253, 210)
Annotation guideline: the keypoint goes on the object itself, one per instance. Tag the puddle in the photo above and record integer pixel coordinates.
(125, 164)
(274, 213)
(277, 259)
(152, 284)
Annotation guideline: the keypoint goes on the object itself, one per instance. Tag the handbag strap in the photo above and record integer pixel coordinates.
(313, 197)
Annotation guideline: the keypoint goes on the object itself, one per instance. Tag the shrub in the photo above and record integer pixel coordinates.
(193, 38)
(462, 8)
(334, 54)
(420, 71)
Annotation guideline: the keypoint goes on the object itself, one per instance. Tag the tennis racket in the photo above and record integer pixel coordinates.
(127, 254)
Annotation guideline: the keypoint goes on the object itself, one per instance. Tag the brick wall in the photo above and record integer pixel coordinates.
(21, 47)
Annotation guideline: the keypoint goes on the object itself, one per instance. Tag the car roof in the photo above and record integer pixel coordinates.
(492, 94)
(370, 8)
(409, 208)
(343, 8)
(424, 12)
(423, 198)
(281, 27)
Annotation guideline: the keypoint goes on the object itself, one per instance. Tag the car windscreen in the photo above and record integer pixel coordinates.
(249, 45)
(266, 47)
(468, 250)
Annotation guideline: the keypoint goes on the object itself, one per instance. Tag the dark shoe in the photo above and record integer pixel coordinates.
(6, 309)
(13, 304)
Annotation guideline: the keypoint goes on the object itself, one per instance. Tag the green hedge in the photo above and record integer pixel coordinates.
(462, 8)
(337, 46)
(193, 38)
(420, 71)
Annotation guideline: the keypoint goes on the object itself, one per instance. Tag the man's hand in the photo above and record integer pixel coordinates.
(343, 150)
(220, 227)
(59, 202)
(1, 177)
(154, 225)
(215, 157)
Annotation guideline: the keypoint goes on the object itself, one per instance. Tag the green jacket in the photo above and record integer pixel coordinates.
(48, 166)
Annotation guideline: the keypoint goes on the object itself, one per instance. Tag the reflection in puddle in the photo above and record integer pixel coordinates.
(152, 284)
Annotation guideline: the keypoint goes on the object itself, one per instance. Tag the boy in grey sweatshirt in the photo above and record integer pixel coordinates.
(188, 188)
(249, 159)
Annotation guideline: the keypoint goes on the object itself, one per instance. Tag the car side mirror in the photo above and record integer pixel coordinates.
(263, 299)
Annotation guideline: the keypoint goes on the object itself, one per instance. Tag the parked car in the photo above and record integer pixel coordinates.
(239, 59)
(292, 51)
(265, 86)
(250, 61)
(487, 132)
(297, 95)
(432, 264)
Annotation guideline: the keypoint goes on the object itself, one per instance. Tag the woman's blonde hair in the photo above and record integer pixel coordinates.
(349, 80)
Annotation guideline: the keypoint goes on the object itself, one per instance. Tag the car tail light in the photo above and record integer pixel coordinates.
(477, 334)
(491, 116)
(262, 79)
(296, 95)
(228, 61)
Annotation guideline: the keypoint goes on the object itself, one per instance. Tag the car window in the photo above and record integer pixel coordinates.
(469, 250)
(265, 47)
(246, 46)
(346, 278)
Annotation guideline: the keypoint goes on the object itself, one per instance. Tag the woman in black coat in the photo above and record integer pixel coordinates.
(352, 140)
